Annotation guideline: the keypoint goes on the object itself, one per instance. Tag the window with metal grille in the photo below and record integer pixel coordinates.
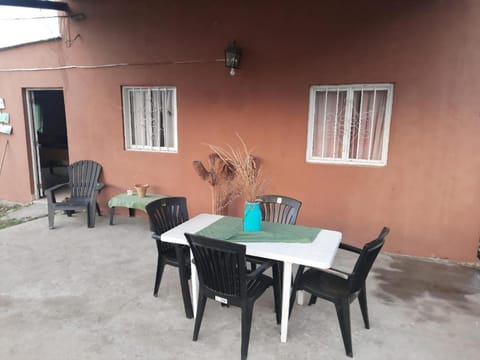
(349, 124)
(150, 118)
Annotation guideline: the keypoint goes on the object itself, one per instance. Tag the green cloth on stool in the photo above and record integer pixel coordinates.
(133, 201)
(231, 229)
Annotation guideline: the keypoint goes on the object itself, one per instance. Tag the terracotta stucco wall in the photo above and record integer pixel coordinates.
(15, 178)
(429, 191)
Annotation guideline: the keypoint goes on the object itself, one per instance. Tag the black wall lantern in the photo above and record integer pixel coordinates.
(232, 57)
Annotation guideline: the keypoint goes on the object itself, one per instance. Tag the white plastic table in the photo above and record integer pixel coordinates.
(319, 253)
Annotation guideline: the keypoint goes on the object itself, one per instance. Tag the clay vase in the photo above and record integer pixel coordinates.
(141, 189)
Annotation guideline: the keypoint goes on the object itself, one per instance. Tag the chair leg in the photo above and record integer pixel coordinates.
(277, 293)
(293, 297)
(343, 314)
(91, 215)
(98, 209)
(280, 274)
(51, 207)
(183, 273)
(277, 274)
(202, 300)
(112, 214)
(158, 276)
(313, 300)
(247, 312)
(362, 300)
(187, 300)
(51, 216)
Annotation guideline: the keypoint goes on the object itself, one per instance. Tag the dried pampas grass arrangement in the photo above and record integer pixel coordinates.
(248, 179)
(232, 173)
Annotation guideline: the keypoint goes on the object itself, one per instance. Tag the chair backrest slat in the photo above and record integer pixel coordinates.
(365, 261)
(279, 209)
(83, 177)
(164, 214)
(220, 265)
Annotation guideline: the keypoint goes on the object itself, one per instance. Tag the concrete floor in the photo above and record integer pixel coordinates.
(79, 293)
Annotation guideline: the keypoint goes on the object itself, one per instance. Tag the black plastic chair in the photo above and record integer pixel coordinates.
(223, 276)
(83, 183)
(340, 287)
(165, 214)
(279, 209)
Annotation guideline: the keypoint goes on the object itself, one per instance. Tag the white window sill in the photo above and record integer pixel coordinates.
(154, 150)
(348, 162)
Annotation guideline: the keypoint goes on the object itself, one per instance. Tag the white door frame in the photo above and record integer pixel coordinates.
(33, 138)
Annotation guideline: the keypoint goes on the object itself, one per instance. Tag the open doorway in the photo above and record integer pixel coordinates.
(48, 138)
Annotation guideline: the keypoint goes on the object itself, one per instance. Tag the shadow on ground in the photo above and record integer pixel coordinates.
(423, 283)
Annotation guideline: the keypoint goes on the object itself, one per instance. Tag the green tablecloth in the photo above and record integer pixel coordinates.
(133, 201)
(231, 229)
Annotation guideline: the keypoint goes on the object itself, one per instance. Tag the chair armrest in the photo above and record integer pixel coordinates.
(50, 192)
(258, 260)
(259, 270)
(337, 272)
(350, 248)
(55, 188)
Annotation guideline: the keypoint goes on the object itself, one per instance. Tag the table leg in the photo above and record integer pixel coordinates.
(112, 213)
(131, 212)
(194, 285)
(287, 281)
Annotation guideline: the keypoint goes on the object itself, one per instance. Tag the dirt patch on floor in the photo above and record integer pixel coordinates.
(8, 215)
(5, 220)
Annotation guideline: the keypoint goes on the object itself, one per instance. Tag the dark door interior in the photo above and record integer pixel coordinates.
(51, 134)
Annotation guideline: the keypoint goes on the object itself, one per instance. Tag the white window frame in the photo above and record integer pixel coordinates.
(310, 158)
(127, 120)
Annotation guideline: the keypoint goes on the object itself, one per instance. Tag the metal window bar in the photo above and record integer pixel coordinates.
(347, 124)
(163, 114)
(137, 109)
(372, 121)
(158, 118)
(131, 116)
(149, 120)
(337, 126)
(139, 116)
(360, 114)
(169, 121)
(143, 120)
(156, 111)
(170, 124)
(324, 122)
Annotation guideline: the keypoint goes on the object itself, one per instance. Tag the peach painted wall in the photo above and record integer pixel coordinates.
(428, 194)
(16, 181)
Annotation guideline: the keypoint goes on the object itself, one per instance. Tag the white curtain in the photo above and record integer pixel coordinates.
(329, 123)
(366, 124)
(167, 135)
(138, 101)
(368, 117)
(152, 118)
